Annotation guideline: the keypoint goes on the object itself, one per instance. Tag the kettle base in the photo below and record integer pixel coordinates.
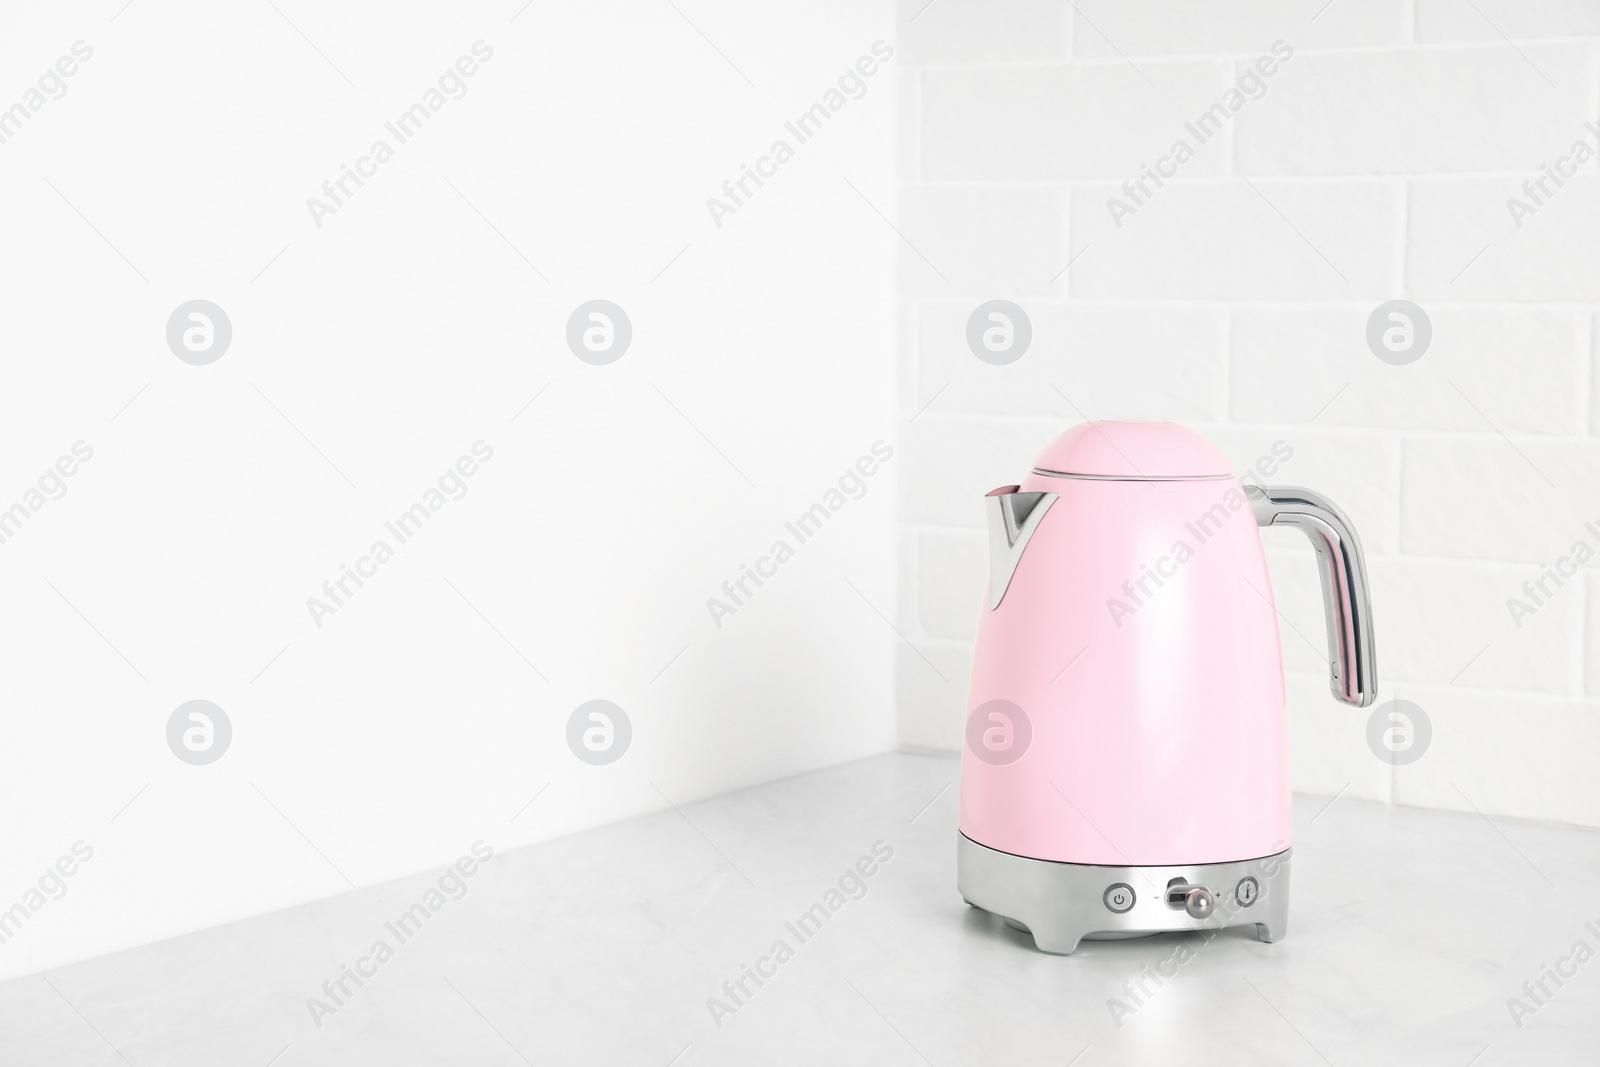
(1063, 903)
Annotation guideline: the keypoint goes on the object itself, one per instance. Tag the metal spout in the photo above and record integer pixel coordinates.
(1013, 517)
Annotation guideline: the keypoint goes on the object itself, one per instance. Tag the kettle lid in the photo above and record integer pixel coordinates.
(1132, 450)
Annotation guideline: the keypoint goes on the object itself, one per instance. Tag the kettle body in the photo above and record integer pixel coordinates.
(1126, 760)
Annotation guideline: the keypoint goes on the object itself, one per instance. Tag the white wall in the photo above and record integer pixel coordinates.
(404, 329)
(1376, 165)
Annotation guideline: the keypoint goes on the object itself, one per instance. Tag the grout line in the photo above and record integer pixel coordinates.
(1065, 256)
(1581, 661)
(1227, 366)
(1583, 639)
(946, 642)
(914, 351)
(1403, 268)
(1588, 374)
(1294, 548)
(1175, 303)
(1230, 180)
(1578, 41)
(1042, 419)
(1391, 784)
(1594, 107)
(1534, 695)
(1398, 487)
(1290, 548)
(1463, 562)
(908, 357)
(912, 548)
(1537, 696)
(1232, 165)
(912, 97)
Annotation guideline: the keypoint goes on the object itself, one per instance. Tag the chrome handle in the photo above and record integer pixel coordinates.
(1346, 596)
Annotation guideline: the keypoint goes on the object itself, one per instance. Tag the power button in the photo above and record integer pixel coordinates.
(1119, 898)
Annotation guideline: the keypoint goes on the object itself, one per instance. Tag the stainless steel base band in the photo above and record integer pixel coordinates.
(1063, 903)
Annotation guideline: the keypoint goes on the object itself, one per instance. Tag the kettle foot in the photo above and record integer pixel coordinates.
(1056, 943)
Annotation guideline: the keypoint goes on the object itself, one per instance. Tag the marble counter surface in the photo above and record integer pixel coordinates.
(1410, 932)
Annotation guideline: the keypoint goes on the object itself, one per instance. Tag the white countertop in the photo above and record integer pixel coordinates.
(1409, 932)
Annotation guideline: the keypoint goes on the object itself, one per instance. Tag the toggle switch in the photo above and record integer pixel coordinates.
(1199, 903)
(1197, 900)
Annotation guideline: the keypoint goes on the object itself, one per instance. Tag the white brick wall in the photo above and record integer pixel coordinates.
(1222, 239)
(1464, 109)
(989, 118)
(1526, 366)
(1373, 164)
(1461, 244)
(1103, 28)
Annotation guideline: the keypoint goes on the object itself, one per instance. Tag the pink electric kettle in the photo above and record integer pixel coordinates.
(1126, 765)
